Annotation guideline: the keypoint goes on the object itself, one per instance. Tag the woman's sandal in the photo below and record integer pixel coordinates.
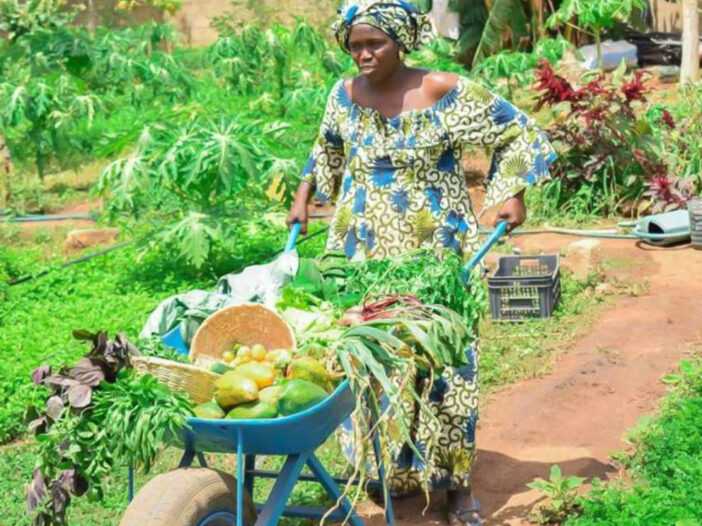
(467, 517)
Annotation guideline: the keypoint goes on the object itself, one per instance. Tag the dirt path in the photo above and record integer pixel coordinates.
(600, 387)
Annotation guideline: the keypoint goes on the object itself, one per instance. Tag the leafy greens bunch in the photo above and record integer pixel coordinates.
(99, 416)
(432, 279)
(391, 361)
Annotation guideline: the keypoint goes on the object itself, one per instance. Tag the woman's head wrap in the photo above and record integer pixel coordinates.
(400, 20)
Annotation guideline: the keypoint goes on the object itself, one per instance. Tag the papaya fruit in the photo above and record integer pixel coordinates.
(263, 373)
(234, 388)
(253, 411)
(298, 395)
(312, 370)
(208, 410)
(270, 394)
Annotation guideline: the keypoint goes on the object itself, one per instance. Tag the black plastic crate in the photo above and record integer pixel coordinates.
(524, 287)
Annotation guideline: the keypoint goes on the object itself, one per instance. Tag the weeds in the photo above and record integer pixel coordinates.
(666, 465)
(562, 497)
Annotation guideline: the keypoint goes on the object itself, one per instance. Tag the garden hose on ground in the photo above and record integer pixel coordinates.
(37, 218)
(604, 234)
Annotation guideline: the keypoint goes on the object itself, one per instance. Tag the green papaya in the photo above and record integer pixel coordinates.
(270, 394)
(253, 410)
(233, 388)
(312, 370)
(298, 395)
(208, 410)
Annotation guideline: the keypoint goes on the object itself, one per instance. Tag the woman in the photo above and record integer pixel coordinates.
(389, 152)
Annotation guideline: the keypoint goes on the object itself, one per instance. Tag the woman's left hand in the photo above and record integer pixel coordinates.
(513, 211)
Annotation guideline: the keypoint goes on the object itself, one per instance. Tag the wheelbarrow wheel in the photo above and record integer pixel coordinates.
(189, 497)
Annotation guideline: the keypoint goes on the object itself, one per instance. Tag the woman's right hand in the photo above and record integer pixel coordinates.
(298, 214)
(298, 210)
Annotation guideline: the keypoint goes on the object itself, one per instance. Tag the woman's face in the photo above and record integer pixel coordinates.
(375, 53)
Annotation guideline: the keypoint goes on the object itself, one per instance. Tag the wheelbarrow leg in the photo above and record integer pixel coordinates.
(249, 466)
(333, 489)
(271, 512)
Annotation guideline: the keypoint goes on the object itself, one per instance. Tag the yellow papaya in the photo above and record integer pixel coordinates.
(310, 369)
(270, 394)
(208, 410)
(263, 373)
(234, 388)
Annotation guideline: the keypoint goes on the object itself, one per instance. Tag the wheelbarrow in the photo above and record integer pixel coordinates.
(296, 437)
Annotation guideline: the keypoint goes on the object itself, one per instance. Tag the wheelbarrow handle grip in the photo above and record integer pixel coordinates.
(500, 229)
(292, 237)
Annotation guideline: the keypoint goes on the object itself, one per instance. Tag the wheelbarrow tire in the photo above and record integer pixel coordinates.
(186, 496)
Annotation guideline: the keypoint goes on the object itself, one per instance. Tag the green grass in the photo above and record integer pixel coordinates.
(666, 465)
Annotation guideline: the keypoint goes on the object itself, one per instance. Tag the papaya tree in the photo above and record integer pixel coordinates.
(195, 181)
(37, 114)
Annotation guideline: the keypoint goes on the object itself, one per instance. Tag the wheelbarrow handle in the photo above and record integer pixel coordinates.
(500, 229)
(292, 237)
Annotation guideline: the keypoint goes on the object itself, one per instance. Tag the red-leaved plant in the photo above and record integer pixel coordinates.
(605, 141)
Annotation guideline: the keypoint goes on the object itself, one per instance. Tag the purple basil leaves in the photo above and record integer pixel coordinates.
(40, 373)
(36, 491)
(71, 390)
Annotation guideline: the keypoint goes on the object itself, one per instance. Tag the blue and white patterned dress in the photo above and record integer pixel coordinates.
(399, 185)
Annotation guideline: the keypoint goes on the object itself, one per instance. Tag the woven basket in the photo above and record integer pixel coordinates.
(197, 382)
(246, 324)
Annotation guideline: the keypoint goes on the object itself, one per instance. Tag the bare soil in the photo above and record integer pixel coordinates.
(602, 384)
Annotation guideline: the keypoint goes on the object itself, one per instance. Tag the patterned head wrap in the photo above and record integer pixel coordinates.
(400, 20)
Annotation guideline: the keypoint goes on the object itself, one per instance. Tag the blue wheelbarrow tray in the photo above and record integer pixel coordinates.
(297, 437)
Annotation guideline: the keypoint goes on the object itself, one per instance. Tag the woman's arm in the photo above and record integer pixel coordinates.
(520, 151)
(325, 165)
(298, 210)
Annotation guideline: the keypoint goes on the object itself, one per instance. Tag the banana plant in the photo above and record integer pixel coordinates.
(488, 25)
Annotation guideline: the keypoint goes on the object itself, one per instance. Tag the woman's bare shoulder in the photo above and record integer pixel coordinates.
(439, 83)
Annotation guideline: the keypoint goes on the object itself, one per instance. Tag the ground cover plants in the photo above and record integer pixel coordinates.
(664, 469)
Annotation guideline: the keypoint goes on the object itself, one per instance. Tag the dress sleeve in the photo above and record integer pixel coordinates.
(521, 152)
(325, 165)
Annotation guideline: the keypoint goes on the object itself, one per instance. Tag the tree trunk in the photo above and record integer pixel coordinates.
(537, 20)
(689, 70)
(92, 17)
(5, 171)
